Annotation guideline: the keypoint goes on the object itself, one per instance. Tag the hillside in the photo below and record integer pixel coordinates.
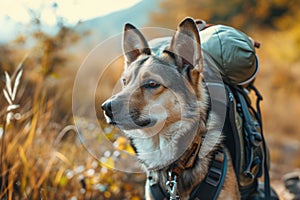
(103, 27)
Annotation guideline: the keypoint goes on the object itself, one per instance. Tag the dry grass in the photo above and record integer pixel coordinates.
(41, 159)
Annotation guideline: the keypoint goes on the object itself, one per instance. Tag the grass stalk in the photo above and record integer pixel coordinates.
(10, 93)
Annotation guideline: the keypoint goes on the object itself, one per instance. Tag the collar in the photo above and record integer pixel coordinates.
(209, 188)
(189, 157)
(186, 161)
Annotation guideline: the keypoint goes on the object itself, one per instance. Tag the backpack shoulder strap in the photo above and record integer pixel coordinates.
(211, 186)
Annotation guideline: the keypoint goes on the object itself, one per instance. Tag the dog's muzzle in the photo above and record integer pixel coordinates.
(116, 114)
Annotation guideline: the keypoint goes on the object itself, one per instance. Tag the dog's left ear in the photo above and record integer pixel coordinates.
(187, 49)
(134, 44)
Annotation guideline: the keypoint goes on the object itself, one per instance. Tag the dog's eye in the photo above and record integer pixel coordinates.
(124, 82)
(151, 84)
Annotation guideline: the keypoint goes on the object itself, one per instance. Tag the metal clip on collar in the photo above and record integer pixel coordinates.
(171, 185)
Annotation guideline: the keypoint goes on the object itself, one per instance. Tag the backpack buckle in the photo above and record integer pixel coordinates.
(215, 171)
(214, 176)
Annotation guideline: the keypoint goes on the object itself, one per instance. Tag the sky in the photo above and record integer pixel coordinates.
(71, 10)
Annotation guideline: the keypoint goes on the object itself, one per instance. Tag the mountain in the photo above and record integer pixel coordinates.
(103, 27)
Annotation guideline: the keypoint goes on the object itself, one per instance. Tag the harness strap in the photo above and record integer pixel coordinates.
(209, 188)
(158, 193)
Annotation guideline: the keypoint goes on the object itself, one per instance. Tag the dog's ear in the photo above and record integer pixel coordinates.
(134, 44)
(186, 46)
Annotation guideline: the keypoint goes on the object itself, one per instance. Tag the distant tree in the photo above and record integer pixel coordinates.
(240, 13)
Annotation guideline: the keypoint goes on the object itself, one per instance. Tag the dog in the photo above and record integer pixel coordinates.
(163, 109)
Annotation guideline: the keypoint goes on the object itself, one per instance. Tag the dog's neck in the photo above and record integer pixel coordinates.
(193, 175)
(161, 150)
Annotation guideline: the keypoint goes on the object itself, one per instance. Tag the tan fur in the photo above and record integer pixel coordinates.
(164, 104)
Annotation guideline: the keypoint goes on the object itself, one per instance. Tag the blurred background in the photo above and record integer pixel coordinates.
(43, 44)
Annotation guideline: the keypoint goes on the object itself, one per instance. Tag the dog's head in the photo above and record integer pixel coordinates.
(159, 89)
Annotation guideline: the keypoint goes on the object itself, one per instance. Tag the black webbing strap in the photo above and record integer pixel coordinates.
(209, 188)
(267, 187)
(158, 193)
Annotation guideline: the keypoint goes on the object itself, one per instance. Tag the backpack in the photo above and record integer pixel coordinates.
(231, 53)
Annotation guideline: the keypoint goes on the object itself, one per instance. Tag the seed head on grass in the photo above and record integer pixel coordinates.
(10, 94)
(10, 91)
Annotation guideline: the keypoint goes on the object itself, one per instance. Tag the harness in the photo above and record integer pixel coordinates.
(246, 145)
(208, 188)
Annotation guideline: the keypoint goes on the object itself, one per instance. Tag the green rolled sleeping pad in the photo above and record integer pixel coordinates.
(232, 51)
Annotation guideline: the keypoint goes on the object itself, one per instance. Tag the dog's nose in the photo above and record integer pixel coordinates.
(106, 106)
